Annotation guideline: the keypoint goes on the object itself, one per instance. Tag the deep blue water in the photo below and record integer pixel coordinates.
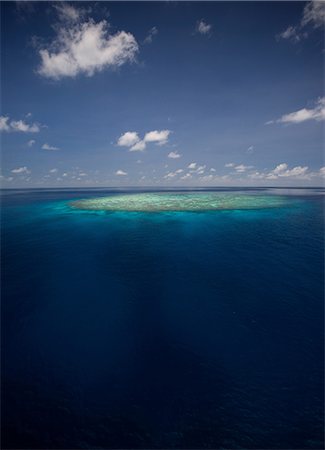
(161, 330)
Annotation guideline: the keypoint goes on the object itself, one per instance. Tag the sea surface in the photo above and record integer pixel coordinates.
(162, 330)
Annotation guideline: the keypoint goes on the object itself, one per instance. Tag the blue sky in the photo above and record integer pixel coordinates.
(162, 94)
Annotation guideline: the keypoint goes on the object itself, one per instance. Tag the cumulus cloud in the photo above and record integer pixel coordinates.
(194, 171)
(128, 139)
(151, 34)
(242, 168)
(313, 15)
(229, 165)
(158, 137)
(138, 147)
(4, 126)
(170, 175)
(31, 143)
(202, 27)
(200, 170)
(121, 173)
(302, 115)
(20, 125)
(84, 47)
(174, 155)
(53, 170)
(21, 170)
(186, 176)
(17, 125)
(194, 168)
(173, 174)
(132, 140)
(49, 147)
(280, 168)
(283, 171)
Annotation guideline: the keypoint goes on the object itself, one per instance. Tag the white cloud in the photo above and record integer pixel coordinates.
(256, 175)
(49, 147)
(158, 137)
(282, 170)
(31, 143)
(297, 171)
(132, 140)
(170, 175)
(53, 170)
(67, 12)
(203, 27)
(291, 33)
(242, 168)
(4, 126)
(313, 14)
(85, 48)
(173, 174)
(21, 170)
(200, 170)
(152, 32)
(138, 147)
(20, 125)
(17, 125)
(186, 176)
(212, 169)
(229, 165)
(120, 172)
(174, 155)
(128, 139)
(195, 169)
(302, 115)
(250, 149)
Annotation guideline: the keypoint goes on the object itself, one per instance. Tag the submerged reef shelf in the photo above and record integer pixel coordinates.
(160, 202)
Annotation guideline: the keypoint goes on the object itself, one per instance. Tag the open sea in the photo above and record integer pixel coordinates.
(162, 329)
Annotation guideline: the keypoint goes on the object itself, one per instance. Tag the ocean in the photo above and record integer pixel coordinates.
(173, 329)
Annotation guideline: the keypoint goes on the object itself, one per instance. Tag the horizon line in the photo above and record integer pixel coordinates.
(163, 187)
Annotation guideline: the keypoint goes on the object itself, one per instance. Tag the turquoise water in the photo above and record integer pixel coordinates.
(180, 201)
(170, 329)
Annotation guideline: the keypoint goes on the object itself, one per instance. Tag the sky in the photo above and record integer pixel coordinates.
(162, 94)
